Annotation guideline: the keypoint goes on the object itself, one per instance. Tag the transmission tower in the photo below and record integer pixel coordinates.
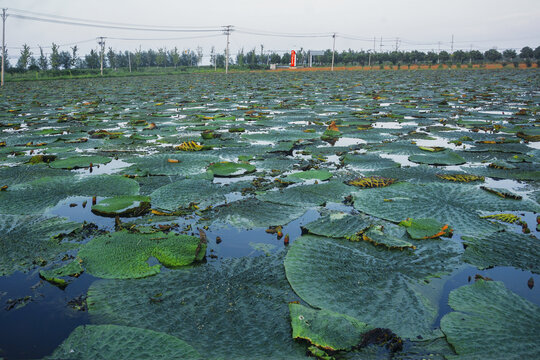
(227, 31)
(4, 17)
(101, 42)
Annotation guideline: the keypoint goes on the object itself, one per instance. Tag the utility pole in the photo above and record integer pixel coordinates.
(227, 31)
(374, 40)
(439, 53)
(380, 45)
(129, 60)
(4, 16)
(333, 50)
(452, 51)
(101, 42)
(397, 44)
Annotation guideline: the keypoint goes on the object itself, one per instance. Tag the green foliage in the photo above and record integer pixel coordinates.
(182, 193)
(491, 322)
(77, 162)
(308, 195)
(326, 329)
(446, 157)
(503, 249)
(380, 287)
(454, 204)
(425, 228)
(124, 255)
(121, 342)
(35, 196)
(388, 235)
(338, 225)
(124, 206)
(312, 174)
(237, 310)
(27, 241)
(230, 169)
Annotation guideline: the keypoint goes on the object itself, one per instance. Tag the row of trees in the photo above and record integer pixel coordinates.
(57, 59)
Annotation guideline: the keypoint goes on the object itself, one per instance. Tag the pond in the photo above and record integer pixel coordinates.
(210, 216)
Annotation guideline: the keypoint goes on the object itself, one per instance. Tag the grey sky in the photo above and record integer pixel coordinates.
(419, 24)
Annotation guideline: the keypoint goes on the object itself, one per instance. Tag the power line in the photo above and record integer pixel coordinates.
(117, 27)
(107, 22)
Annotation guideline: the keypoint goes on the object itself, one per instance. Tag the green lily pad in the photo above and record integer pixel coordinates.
(36, 196)
(321, 175)
(182, 193)
(425, 228)
(124, 255)
(252, 213)
(326, 329)
(235, 311)
(491, 322)
(27, 241)
(77, 162)
(122, 342)
(447, 157)
(125, 206)
(380, 287)
(504, 248)
(388, 235)
(231, 169)
(455, 204)
(308, 195)
(74, 268)
(338, 225)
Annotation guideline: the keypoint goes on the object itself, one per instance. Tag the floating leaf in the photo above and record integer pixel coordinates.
(425, 228)
(124, 206)
(189, 146)
(124, 255)
(505, 194)
(235, 311)
(380, 287)
(460, 177)
(447, 157)
(455, 204)
(252, 213)
(505, 248)
(121, 342)
(231, 169)
(326, 329)
(312, 174)
(390, 236)
(371, 182)
(308, 195)
(180, 194)
(491, 322)
(27, 241)
(338, 225)
(507, 218)
(77, 162)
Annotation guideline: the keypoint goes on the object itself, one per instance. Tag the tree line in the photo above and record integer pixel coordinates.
(253, 59)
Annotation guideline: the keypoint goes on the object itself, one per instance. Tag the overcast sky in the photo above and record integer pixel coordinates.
(419, 24)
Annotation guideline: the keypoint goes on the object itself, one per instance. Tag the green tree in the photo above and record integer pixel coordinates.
(492, 55)
(55, 57)
(74, 57)
(526, 53)
(42, 61)
(65, 59)
(92, 60)
(240, 57)
(111, 57)
(536, 53)
(137, 61)
(509, 54)
(175, 56)
(24, 59)
(459, 56)
(161, 57)
(476, 55)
